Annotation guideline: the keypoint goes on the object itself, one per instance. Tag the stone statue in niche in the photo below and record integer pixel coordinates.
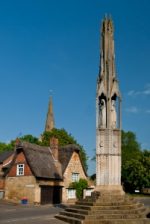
(102, 113)
(113, 114)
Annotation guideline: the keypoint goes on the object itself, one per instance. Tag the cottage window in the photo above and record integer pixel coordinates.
(71, 193)
(75, 177)
(20, 169)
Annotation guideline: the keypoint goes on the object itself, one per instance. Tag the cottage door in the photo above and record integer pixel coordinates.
(46, 195)
(57, 195)
(51, 194)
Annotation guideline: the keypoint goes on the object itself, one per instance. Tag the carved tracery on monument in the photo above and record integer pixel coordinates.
(102, 112)
(113, 114)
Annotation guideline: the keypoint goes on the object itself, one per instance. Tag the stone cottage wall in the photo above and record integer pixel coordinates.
(74, 166)
(17, 188)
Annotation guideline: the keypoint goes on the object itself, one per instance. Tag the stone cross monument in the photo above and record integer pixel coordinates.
(108, 119)
(108, 203)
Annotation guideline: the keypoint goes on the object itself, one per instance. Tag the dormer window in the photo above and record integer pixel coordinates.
(20, 169)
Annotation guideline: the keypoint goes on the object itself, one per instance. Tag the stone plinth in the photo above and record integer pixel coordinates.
(106, 209)
(110, 190)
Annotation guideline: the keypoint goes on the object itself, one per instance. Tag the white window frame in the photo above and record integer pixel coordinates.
(71, 193)
(20, 169)
(75, 177)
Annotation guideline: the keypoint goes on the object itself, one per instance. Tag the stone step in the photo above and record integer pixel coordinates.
(94, 212)
(118, 221)
(113, 216)
(108, 207)
(102, 216)
(73, 220)
(131, 211)
(75, 210)
(84, 207)
(105, 203)
(107, 199)
(72, 214)
(69, 219)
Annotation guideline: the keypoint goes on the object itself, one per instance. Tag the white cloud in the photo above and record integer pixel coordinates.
(131, 93)
(146, 91)
(132, 110)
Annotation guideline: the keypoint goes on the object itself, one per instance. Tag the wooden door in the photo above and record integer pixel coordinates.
(51, 194)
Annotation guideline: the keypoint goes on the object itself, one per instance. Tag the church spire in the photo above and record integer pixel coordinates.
(50, 117)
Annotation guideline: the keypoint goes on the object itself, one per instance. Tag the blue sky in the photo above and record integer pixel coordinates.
(55, 45)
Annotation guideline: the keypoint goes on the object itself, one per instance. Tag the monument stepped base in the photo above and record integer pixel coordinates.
(105, 209)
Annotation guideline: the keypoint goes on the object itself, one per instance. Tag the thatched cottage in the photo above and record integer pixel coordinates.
(43, 174)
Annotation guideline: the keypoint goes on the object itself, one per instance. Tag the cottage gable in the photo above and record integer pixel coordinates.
(65, 156)
(74, 170)
(20, 166)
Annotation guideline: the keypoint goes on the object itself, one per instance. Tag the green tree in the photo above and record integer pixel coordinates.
(11, 145)
(129, 146)
(6, 147)
(64, 139)
(135, 163)
(134, 175)
(30, 138)
(79, 186)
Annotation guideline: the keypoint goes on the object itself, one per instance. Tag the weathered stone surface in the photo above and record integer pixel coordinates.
(106, 210)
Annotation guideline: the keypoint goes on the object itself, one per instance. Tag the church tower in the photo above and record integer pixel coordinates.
(50, 117)
(108, 119)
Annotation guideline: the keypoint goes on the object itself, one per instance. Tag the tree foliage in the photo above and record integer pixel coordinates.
(10, 146)
(30, 138)
(79, 186)
(6, 147)
(135, 163)
(129, 146)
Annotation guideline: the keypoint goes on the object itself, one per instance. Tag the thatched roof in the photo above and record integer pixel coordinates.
(65, 154)
(40, 161)
(5, 155)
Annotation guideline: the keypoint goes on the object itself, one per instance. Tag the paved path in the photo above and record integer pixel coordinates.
(144, 200)
(26, 214)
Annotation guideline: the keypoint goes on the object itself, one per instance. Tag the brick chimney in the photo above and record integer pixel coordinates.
(54, 147)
